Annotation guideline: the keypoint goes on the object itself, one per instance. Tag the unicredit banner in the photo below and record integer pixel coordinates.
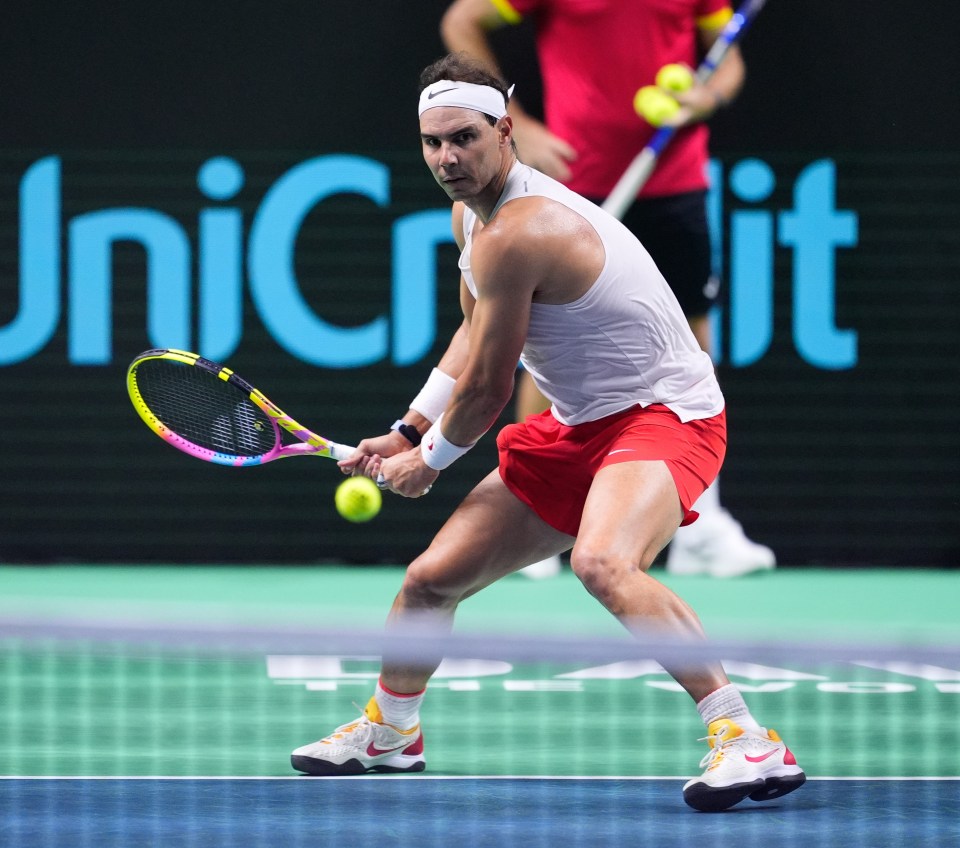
(194, 287)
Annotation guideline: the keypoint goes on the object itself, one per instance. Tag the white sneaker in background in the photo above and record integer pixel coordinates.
(549, 567)
(716, 545)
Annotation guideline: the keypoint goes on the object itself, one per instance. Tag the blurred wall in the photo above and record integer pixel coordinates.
(244, 179)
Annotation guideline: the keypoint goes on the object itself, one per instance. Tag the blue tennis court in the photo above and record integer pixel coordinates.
(105, 744)
(468, 811)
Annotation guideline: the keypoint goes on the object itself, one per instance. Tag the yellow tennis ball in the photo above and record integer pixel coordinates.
(675, 77)
(654, 105)
(358, 499)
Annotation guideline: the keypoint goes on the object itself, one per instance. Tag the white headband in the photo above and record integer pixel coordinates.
(466, 95)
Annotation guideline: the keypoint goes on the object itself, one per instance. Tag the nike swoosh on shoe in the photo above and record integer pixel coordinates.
(374, 751)
(761, 758)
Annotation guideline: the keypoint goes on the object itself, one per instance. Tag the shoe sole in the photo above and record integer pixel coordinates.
(775, 787)
(709, 799)
(324, 768)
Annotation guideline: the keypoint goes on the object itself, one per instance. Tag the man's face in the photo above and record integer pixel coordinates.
(461, 149)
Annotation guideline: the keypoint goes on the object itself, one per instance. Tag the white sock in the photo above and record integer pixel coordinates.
(399, 710)
(727, 702)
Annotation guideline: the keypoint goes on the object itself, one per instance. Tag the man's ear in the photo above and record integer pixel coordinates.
(505, 129)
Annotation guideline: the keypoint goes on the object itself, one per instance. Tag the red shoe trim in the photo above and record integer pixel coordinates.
(374, 751)
(416, 747)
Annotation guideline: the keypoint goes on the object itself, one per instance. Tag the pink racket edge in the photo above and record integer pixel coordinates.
(310, 443)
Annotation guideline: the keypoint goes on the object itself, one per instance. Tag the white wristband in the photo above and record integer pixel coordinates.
(437, 452)
(434, 396)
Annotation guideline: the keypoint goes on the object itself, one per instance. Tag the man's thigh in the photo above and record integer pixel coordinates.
(632, 511)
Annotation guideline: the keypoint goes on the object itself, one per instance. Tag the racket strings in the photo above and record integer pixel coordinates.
(203, 409)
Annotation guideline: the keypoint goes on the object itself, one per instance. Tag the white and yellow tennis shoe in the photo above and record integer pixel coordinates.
(739, 765)
(362, 746)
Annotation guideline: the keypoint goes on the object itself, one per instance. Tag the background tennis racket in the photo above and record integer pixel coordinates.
(207, 411)
(639, 170)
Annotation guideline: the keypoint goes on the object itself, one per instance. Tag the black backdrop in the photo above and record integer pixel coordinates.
(835, 466)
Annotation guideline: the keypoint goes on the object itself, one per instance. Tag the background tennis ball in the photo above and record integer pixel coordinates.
(675, 77)
(358, 499)
(654, 105)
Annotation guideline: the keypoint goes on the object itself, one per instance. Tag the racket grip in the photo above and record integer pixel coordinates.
(340, 452)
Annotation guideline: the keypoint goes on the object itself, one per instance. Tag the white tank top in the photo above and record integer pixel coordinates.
(625, 342)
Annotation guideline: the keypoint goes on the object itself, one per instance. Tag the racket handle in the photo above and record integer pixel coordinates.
(340, 452)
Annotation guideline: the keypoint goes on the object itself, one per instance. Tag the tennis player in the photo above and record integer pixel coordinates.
(635, 433)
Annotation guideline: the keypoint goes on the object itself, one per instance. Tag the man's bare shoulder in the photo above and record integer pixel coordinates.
(554, 250)
(525, 223)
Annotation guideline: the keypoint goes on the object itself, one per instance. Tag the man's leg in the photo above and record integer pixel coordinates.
(631, 512)
(491, 534)
(715, 544)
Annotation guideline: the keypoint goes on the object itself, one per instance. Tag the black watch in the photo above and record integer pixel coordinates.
(408, 431)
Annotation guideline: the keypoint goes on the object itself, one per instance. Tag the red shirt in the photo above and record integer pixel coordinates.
(594, 55)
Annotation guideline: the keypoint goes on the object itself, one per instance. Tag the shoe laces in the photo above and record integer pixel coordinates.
(361, 727)
(717, 742)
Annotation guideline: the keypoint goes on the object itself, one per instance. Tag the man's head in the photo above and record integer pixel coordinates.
(466, 134)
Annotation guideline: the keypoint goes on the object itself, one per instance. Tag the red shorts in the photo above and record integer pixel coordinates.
(550, 466)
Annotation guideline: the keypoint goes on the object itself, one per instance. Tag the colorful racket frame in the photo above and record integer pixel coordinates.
(309, 444)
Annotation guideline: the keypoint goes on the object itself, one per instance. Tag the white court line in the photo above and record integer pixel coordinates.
(364, 777)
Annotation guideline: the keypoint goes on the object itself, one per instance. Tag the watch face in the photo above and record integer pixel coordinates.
(408, 431)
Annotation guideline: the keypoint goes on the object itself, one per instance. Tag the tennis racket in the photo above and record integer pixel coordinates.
(208, 412)
(639, 170)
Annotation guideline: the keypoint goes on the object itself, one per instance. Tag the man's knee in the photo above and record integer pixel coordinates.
(430, 582)
(600, 570)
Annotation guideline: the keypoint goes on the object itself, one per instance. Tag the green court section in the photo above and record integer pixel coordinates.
(799, 604)
(79, 708)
